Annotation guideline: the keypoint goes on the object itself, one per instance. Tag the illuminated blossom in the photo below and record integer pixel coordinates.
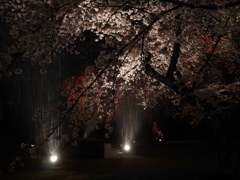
(33, 156)
(43, 121)
(11, 169)
(8, 60)
(41, 63)
(32, 150)
(78, 123)
(67, 139)
(13, 163)
(82, 38)
(14, 33)
(12, 49)
(18, 71)
(21, 164)
(74, 143)
(23, 145)
(110, 129)
(8, 74)
(42, 71)
(107, 126)
(74, 134)
(107, 135)
(47, 60)
(59, 137)
(77, 52)
(19, 158)
(34, 118)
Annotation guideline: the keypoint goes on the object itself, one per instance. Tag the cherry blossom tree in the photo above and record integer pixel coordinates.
(186, 50)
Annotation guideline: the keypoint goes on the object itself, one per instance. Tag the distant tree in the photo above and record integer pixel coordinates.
(186, 50)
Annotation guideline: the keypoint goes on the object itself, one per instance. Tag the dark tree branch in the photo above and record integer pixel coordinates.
(176, 52)
(169, 81)
(174, 60)
(184, 92)
(207, 7)
(154, 21)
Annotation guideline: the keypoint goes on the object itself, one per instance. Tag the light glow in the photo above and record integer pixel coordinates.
(127, 147)
(53, 158)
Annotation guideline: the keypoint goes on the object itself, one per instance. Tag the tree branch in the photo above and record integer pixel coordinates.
(207, 7)
(207, 61)
(184, 92)
(174, 60)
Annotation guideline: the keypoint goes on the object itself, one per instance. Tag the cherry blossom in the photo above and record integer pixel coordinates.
(185, 50)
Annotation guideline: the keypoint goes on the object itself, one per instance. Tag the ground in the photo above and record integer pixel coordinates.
(165, 161)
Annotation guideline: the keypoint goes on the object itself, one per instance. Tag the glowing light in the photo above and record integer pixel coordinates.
(53, 158)
(127, 147)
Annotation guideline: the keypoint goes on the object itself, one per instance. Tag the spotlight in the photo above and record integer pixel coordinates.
(53, 158)
(127, 147)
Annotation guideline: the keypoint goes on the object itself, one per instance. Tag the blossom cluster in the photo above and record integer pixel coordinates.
(205, 69)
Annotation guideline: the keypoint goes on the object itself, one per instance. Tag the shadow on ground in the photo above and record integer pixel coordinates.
(166, 161)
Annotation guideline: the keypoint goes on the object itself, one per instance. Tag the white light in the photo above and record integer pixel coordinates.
(53, 158)
(126, 147)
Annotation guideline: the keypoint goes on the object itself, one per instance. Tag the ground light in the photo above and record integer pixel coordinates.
(127, 147)
(53, 158)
